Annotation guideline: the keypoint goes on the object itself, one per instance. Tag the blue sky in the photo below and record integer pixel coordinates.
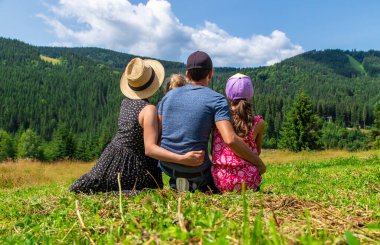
(235, 33)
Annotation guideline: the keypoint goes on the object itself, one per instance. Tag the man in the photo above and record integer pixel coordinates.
(188, 115)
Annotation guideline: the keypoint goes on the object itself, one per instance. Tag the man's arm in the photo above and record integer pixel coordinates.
(149, 121)
(238, 146)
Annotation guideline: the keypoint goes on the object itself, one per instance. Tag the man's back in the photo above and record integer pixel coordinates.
(188, 115)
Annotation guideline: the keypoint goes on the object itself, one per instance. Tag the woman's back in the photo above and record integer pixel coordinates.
(125, 155)
(130, 133)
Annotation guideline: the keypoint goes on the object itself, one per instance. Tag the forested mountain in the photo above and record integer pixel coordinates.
(343, 85)
(46, 88)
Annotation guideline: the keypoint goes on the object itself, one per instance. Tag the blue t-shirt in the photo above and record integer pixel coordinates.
(188, 115)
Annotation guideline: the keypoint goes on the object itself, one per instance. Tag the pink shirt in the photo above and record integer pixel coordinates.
(230, 171)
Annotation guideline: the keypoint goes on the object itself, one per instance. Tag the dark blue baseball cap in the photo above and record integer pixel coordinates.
(200, 60)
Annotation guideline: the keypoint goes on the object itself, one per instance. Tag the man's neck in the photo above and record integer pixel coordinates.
(202, 82)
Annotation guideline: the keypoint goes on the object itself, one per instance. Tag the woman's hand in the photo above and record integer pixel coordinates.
(193, 158)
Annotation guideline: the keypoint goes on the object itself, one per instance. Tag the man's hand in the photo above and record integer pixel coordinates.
(193, 158)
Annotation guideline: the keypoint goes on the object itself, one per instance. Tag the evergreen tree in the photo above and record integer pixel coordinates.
(6, 145)
(104, 139)
(61, 146)
(80, 149)
(332, 136)
(376, 126)
(300, 131)
(335, 136)
(29, 145)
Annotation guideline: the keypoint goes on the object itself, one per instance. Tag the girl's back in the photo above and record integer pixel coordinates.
(230, 171)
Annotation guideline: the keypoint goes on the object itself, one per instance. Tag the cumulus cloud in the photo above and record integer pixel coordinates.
(153, 30)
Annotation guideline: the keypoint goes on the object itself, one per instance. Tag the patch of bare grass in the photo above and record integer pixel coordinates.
(27, 173)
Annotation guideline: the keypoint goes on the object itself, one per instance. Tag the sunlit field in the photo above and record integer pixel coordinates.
(328, 197)
(276, 157)
(26, 173)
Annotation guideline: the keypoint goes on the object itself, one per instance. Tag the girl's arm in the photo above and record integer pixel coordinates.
(148, 120)
(259, 131)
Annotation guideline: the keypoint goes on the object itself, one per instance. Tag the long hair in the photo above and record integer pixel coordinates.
(242, 117)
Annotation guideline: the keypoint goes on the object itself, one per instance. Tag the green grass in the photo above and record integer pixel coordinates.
(356, 65)
(334, 201)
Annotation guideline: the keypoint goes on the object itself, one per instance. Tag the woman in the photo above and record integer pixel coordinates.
(130, 152)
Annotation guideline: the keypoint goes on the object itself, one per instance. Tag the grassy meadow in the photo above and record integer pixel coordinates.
(329, 197)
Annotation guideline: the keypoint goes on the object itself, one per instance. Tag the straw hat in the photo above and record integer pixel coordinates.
(142, 78)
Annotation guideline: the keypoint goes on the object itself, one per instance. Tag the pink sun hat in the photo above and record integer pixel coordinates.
(239, 87)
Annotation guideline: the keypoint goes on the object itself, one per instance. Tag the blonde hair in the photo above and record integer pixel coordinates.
(242, 117)
(175, 81)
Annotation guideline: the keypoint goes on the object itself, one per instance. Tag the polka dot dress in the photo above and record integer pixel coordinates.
(125, 155)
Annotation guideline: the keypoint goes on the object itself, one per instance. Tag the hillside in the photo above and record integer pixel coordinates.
(44, 87)
(342, 84)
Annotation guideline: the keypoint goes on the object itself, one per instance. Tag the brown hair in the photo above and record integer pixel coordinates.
(175, 81)
(198, 74)
(242, 117)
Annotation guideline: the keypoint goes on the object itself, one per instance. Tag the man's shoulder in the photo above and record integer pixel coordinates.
(215, 96)
(211, 94)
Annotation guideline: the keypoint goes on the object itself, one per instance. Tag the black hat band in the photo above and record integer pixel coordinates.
(146, 85)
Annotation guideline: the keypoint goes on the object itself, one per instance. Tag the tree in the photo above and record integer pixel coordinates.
(61, 145)
(376, 126)
(29, 145)
(332, 136)
(6, 145)
(300, 131)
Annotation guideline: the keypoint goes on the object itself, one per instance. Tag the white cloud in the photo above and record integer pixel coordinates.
(153, 30)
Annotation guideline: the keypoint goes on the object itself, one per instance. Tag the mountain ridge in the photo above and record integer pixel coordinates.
(84, 84)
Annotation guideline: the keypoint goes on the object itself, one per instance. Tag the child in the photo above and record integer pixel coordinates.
(175, 81)
(172, 82)
(228, 170)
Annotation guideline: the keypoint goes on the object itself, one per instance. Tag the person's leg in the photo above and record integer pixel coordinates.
(204, 184)
(172, 183)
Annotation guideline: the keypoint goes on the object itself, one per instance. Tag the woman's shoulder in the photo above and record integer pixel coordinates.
(136, 102)
(135, 105)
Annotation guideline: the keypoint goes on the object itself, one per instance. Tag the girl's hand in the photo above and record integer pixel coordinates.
(262, 168)
(193, 158)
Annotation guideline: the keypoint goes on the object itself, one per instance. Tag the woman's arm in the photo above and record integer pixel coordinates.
(148, 120)
(259, 130)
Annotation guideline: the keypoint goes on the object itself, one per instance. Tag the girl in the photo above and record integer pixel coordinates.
(132, 150)
(175, 81)
(228, 170)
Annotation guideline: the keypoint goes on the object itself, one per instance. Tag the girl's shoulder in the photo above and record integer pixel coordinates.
(257, 119)
(258, 125)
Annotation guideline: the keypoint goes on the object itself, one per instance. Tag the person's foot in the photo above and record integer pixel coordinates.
(182, 184)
